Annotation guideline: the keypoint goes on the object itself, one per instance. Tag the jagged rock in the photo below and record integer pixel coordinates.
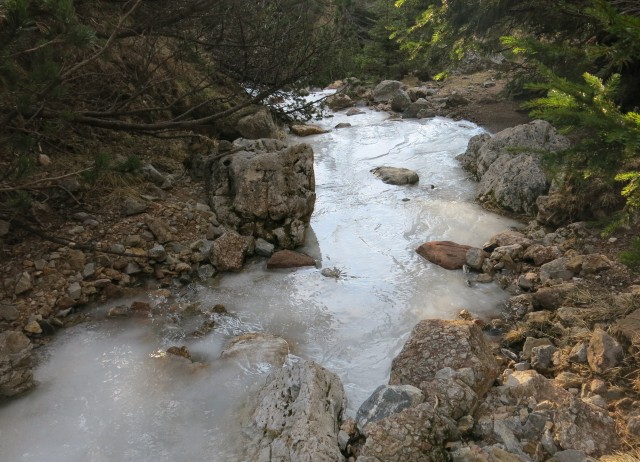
(507, 238)
(307, 130)
(530, 343)
(603, 351)
(385, 90)
(447, 254)
(228, 251)
(296, 417)
(628, 328)
(396, 175)
(542, 357)
(578, 353)
(74, 291)
(528, 281)
(435, 344)
(416, 434)
(159, 229)
(23, 283)
(568, 380)
(594, 263)
(550, 298)
(255, 349)
(576, 425)
(507, 253)
(508, 166)
(419, 109)
(540, 254)
(339, 101)
(385, 401)
(289, 259)
(258, 125)
(266, 189)
(15, 364)
(557, 269)
(33, 327)
(450, 392)
(475, 258)
(400, 101)
(158, 253)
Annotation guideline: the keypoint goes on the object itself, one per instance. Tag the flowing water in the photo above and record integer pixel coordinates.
(107, 393)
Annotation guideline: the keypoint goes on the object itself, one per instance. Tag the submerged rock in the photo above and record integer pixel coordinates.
(447, 254)
(395, 175)
(297, 416)
(307, 130)
(254, 349)
(289, 259)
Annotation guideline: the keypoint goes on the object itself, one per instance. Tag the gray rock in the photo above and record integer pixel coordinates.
(530, 343)
(385, 90)
(266, 189)
(15, 364)
(556, 269)
(571, 455)
(74, 291)
(395, 175)
(542, 357)
(475, 257)
(307, 129)
(258, 125)
(385, 401)
(508, 165)
(540, 254)
(89, 270)
(157, 253)
(132, 268)
(264, 248)
(133, 206)
(296, 417)
(253, 350)
(23, 283)
(400, 101)
(153, 175)
(206, 272)
(578, 353)
(603, 351)
(339, 101)
(8, 312)
(420, 106)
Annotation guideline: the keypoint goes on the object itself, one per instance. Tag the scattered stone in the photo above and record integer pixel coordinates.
(557, 269)
(33, 327)
(603, 351)
(568, 380)
(339, 101)
(395, 175)
(297, 416)
(530, 343)
(8, 312)
(550, 298)
(385, 401)
(157, 253)
(578, 353)
(132, 268)
(446, 254)
(206, 272)
(528, 281)
(419, 109)
(540, 254)
(74, 291)
(289, 259)
(542, 357)
(475, 258)
(159, 229)
(89, 270)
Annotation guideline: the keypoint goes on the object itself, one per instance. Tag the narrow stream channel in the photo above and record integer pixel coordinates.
(107, 394)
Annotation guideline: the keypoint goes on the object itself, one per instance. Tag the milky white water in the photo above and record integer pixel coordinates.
(106, 392)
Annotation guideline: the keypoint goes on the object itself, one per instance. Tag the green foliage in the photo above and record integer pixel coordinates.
(631, 257)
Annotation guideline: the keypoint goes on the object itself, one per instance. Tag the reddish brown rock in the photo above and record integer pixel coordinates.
(289, 259)
(447, 254)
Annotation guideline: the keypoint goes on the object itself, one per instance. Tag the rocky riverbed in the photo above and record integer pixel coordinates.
(552, 378)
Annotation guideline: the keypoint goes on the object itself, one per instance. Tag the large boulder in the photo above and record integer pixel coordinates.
(297, 415)
(421, 108)
(436, 344)
(508, 165)
(229, 250)
(385, 90)
(416, 434)
(339, 101)
(385, 401)
(15, 364)
(264, 188)
(400, 101)
(258, 125)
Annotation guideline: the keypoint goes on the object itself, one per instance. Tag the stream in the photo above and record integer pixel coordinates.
(107, 392)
